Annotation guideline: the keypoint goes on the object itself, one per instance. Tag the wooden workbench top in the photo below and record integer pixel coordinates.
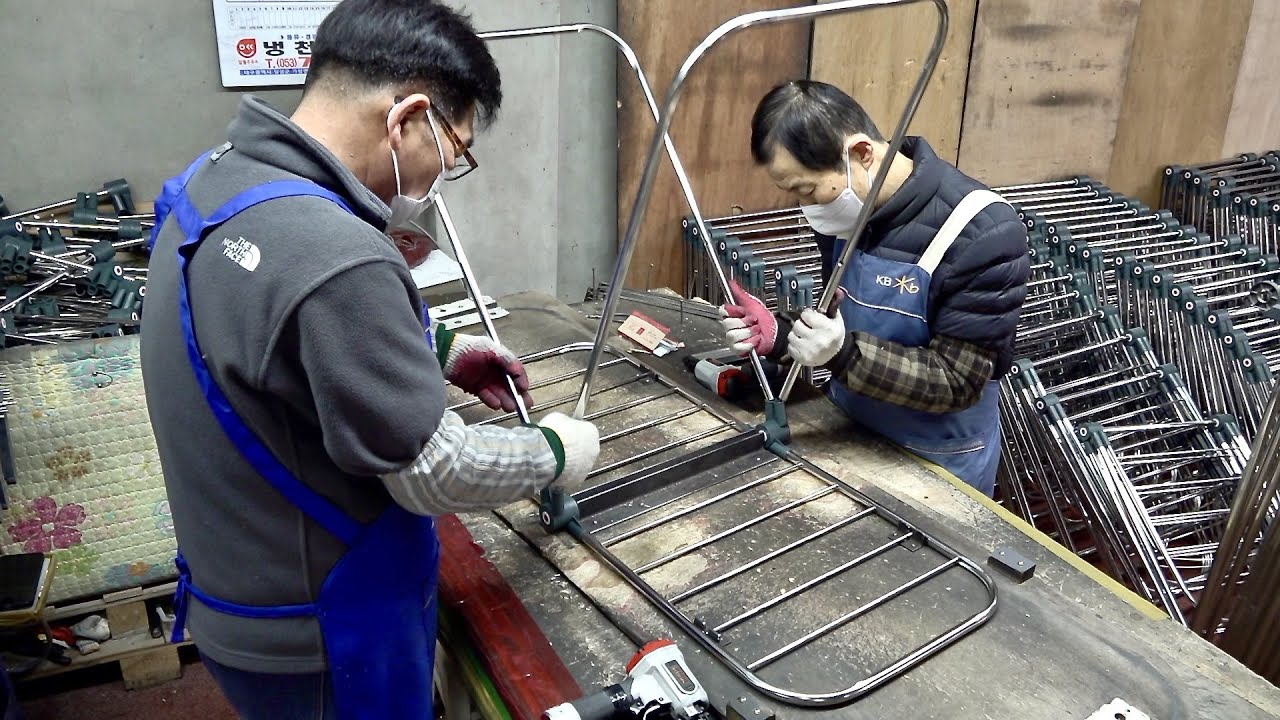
(1061, 645)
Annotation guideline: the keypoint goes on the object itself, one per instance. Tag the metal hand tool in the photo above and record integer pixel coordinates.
(473, 289)
(658, 680)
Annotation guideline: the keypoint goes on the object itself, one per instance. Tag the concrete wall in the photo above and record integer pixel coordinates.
(130, 89)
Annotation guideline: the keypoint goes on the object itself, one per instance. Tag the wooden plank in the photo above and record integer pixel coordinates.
(112, 650)
(875, 56)
(712, 127)
(125, 618)
(150, 668)
(59, 612)
(528, 673)
(1254, 125)
(1178, 94)
(1043, 98)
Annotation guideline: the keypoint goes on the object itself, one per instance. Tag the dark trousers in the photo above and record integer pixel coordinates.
(264, 696)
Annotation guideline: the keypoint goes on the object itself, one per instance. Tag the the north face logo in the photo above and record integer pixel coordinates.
(242, 252)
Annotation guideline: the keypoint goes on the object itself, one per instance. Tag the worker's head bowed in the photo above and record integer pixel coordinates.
(400, 86)
(819, 146)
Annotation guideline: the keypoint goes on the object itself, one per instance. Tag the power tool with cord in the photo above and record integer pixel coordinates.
(658, 685)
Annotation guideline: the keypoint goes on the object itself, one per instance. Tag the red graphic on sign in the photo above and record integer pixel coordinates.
(247, 47)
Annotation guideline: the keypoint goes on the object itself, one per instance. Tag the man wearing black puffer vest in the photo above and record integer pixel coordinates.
(924, 324)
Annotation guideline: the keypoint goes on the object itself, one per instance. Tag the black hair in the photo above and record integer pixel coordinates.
(407, 42)
(811, 120)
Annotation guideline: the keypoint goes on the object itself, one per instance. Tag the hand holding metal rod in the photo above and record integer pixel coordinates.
(682, 178)
(649, 176)
(886, 163)
(473, 289)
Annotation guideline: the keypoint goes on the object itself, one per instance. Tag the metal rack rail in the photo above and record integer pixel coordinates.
(767, 560)
(1105, 446)
(1191, 291)
(686, 451)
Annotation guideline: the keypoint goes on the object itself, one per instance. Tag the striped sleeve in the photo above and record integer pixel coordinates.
(467, 468)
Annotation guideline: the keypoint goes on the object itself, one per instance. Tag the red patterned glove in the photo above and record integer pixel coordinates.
(747, 323)
(481, 367)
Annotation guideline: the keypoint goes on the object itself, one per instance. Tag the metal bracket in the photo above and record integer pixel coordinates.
(777, 431)
(558, 509)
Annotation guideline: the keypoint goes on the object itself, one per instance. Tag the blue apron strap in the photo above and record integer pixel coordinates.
(426, 323)
(185, 586)
(172, 189)
(314, 505)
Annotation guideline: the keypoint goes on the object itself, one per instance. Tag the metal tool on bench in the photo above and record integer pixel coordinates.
(720, 371)
(659, 684)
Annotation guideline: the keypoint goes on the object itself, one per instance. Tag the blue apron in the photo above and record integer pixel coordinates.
(377, 606)
(890, 300)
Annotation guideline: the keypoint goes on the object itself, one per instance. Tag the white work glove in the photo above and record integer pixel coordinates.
(580, 441)
(816, 338)
(748, 325)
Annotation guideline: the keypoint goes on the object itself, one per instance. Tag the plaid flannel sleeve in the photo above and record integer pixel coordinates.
(945, 376)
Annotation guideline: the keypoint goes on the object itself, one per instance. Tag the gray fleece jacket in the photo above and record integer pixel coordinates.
(320, 349)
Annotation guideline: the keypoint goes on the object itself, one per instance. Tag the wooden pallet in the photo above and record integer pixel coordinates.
(145, 661)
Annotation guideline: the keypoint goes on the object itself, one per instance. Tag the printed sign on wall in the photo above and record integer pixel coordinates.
(266, 42)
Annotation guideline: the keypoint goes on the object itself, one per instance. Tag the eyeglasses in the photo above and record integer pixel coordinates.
(464, 162)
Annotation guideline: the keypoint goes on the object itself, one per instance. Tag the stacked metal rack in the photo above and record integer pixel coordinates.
(1113, 455)
(1240, 607)
(64, 278)
(67, 279)
(1191, 291)
(772, 254)
(1234, 196)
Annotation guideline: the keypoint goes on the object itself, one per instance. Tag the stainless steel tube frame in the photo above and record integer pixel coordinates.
(473, 289)
(681, 177)
(664, 125)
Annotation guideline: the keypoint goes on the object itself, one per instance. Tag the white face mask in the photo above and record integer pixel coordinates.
(838, 217)
(406, 212)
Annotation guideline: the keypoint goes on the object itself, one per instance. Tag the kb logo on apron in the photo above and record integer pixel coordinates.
(906, 284)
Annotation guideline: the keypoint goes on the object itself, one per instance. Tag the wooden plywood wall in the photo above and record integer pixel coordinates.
(1178, 97)
(875, 56)
(712, 127)
(1254, 124)
(1043, 98)
(1027, 90)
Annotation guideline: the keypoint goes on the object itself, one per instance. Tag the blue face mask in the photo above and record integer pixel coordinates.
(839, 217)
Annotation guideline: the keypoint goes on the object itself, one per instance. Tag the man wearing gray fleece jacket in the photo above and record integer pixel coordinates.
(297, 403)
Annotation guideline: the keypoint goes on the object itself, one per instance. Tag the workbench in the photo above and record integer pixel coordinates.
(1061, 645)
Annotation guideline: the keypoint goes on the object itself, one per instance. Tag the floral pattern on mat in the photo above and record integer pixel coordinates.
(89, 484)
(47, 526)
